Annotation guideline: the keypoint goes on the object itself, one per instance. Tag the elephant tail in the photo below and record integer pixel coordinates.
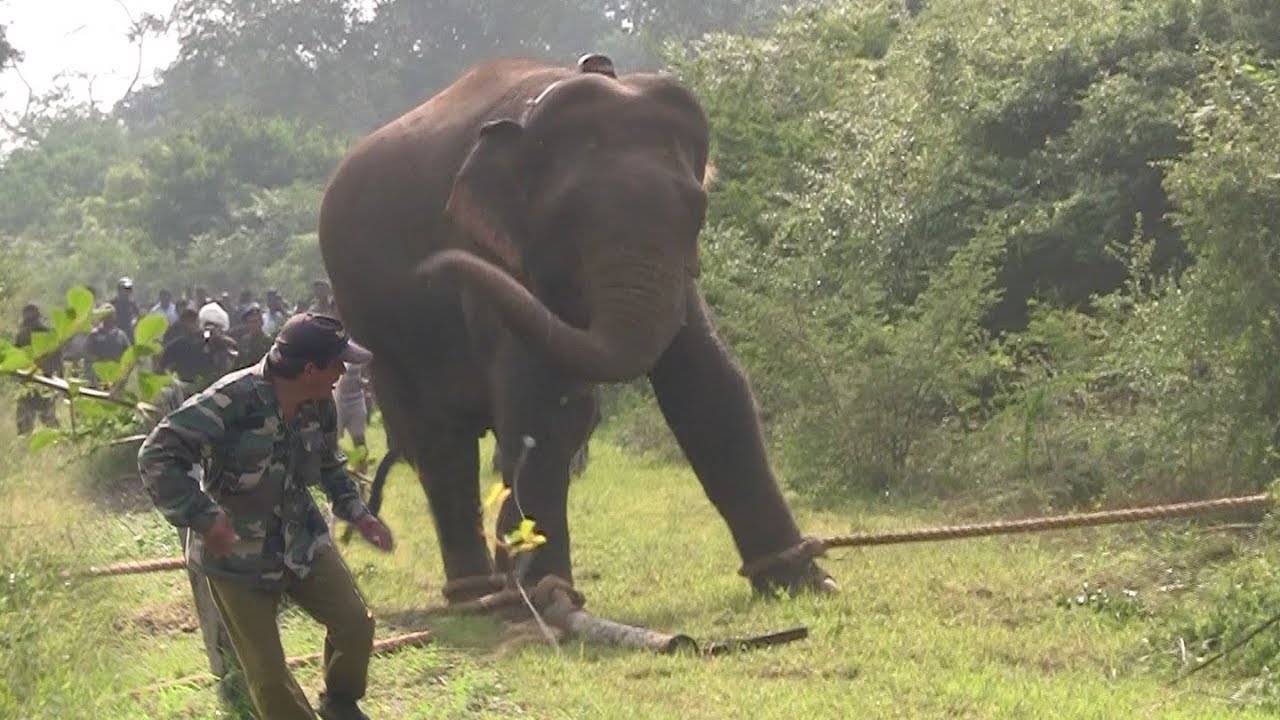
(380, 479)
(375, 488)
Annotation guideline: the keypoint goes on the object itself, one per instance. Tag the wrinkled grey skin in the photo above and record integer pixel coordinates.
(525, 234)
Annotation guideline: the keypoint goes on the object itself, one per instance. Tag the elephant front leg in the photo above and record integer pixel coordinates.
(707, 401)
(543, 419)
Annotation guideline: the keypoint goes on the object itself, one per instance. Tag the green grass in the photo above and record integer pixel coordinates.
(968, 629)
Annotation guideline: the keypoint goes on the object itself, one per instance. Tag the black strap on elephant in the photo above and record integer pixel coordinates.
(394, 455)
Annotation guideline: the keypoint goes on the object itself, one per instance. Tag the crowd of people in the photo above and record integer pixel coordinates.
(207, 336)
(251, 419)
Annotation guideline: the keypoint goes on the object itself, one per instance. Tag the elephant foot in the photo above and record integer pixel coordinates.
(464, 589)
(792, 572)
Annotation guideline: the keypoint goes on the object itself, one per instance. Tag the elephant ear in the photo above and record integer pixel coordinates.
(488, 199)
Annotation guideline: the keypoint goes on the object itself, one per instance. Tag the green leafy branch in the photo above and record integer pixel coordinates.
(124, 384)
(521, 541)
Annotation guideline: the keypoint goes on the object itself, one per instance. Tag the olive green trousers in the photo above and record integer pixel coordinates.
(329, 595)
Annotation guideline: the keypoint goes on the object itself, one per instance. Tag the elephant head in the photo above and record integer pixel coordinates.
(602, 173)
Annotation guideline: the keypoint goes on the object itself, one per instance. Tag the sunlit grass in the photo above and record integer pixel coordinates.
(972, 628)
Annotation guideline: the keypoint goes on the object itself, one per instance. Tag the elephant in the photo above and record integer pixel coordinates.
(523, 236)
(577, 463)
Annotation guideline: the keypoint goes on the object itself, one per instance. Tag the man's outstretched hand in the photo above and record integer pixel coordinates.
(372, 529)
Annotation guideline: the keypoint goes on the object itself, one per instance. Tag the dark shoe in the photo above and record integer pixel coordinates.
(335, 709)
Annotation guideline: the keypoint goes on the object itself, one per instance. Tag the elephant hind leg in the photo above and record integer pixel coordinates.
(447, 461)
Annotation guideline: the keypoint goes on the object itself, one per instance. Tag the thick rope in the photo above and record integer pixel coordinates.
(489, 583)
(813, 547)
(807, 549)
(1059, 522)
(134, 567)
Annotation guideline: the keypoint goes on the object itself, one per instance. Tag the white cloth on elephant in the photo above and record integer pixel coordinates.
(348, 395)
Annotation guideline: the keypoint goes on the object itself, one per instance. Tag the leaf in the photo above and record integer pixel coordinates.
(64, 323)
(44, 437)
(150, 329)
(80, 302)
(43, 342)
(108, 371)
(525, 545)
(15, 358)
(524, 538)
(496, 495)
(141, 351)
(152, 384)
(129, 357)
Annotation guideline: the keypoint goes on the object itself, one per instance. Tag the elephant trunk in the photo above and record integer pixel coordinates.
(636, 306)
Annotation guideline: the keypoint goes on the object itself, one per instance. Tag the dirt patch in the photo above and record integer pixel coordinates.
(164, 619)
(118, 494)
(517, 635)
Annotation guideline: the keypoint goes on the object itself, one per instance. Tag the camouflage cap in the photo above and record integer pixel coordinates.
(319, 338)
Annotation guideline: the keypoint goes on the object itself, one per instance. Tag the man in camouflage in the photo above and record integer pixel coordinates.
(35, 403)
(233, 464)
(252, 342)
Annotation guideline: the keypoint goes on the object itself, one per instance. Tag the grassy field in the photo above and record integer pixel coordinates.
(985, 628)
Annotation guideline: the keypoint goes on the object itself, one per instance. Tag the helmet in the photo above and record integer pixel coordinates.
(213, 314)
(125, 283)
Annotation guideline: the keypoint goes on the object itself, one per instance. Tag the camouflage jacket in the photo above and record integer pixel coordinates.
(229, 446)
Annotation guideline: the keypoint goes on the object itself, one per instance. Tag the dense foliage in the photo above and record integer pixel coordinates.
(1020, 249)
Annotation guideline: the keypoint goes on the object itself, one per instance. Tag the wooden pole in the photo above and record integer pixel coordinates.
(382, 647)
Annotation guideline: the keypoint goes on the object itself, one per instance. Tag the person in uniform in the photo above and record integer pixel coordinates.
(35, 403)
(269, 432)
(125, 308)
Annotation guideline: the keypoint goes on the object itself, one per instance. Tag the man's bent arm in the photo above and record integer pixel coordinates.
(343, 492)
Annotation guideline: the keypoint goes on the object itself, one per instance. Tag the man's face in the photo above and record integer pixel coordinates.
(319, 381)
(253, 321)
(166, 298)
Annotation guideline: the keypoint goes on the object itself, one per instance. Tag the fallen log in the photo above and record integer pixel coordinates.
(561, 606)
(381, 647)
